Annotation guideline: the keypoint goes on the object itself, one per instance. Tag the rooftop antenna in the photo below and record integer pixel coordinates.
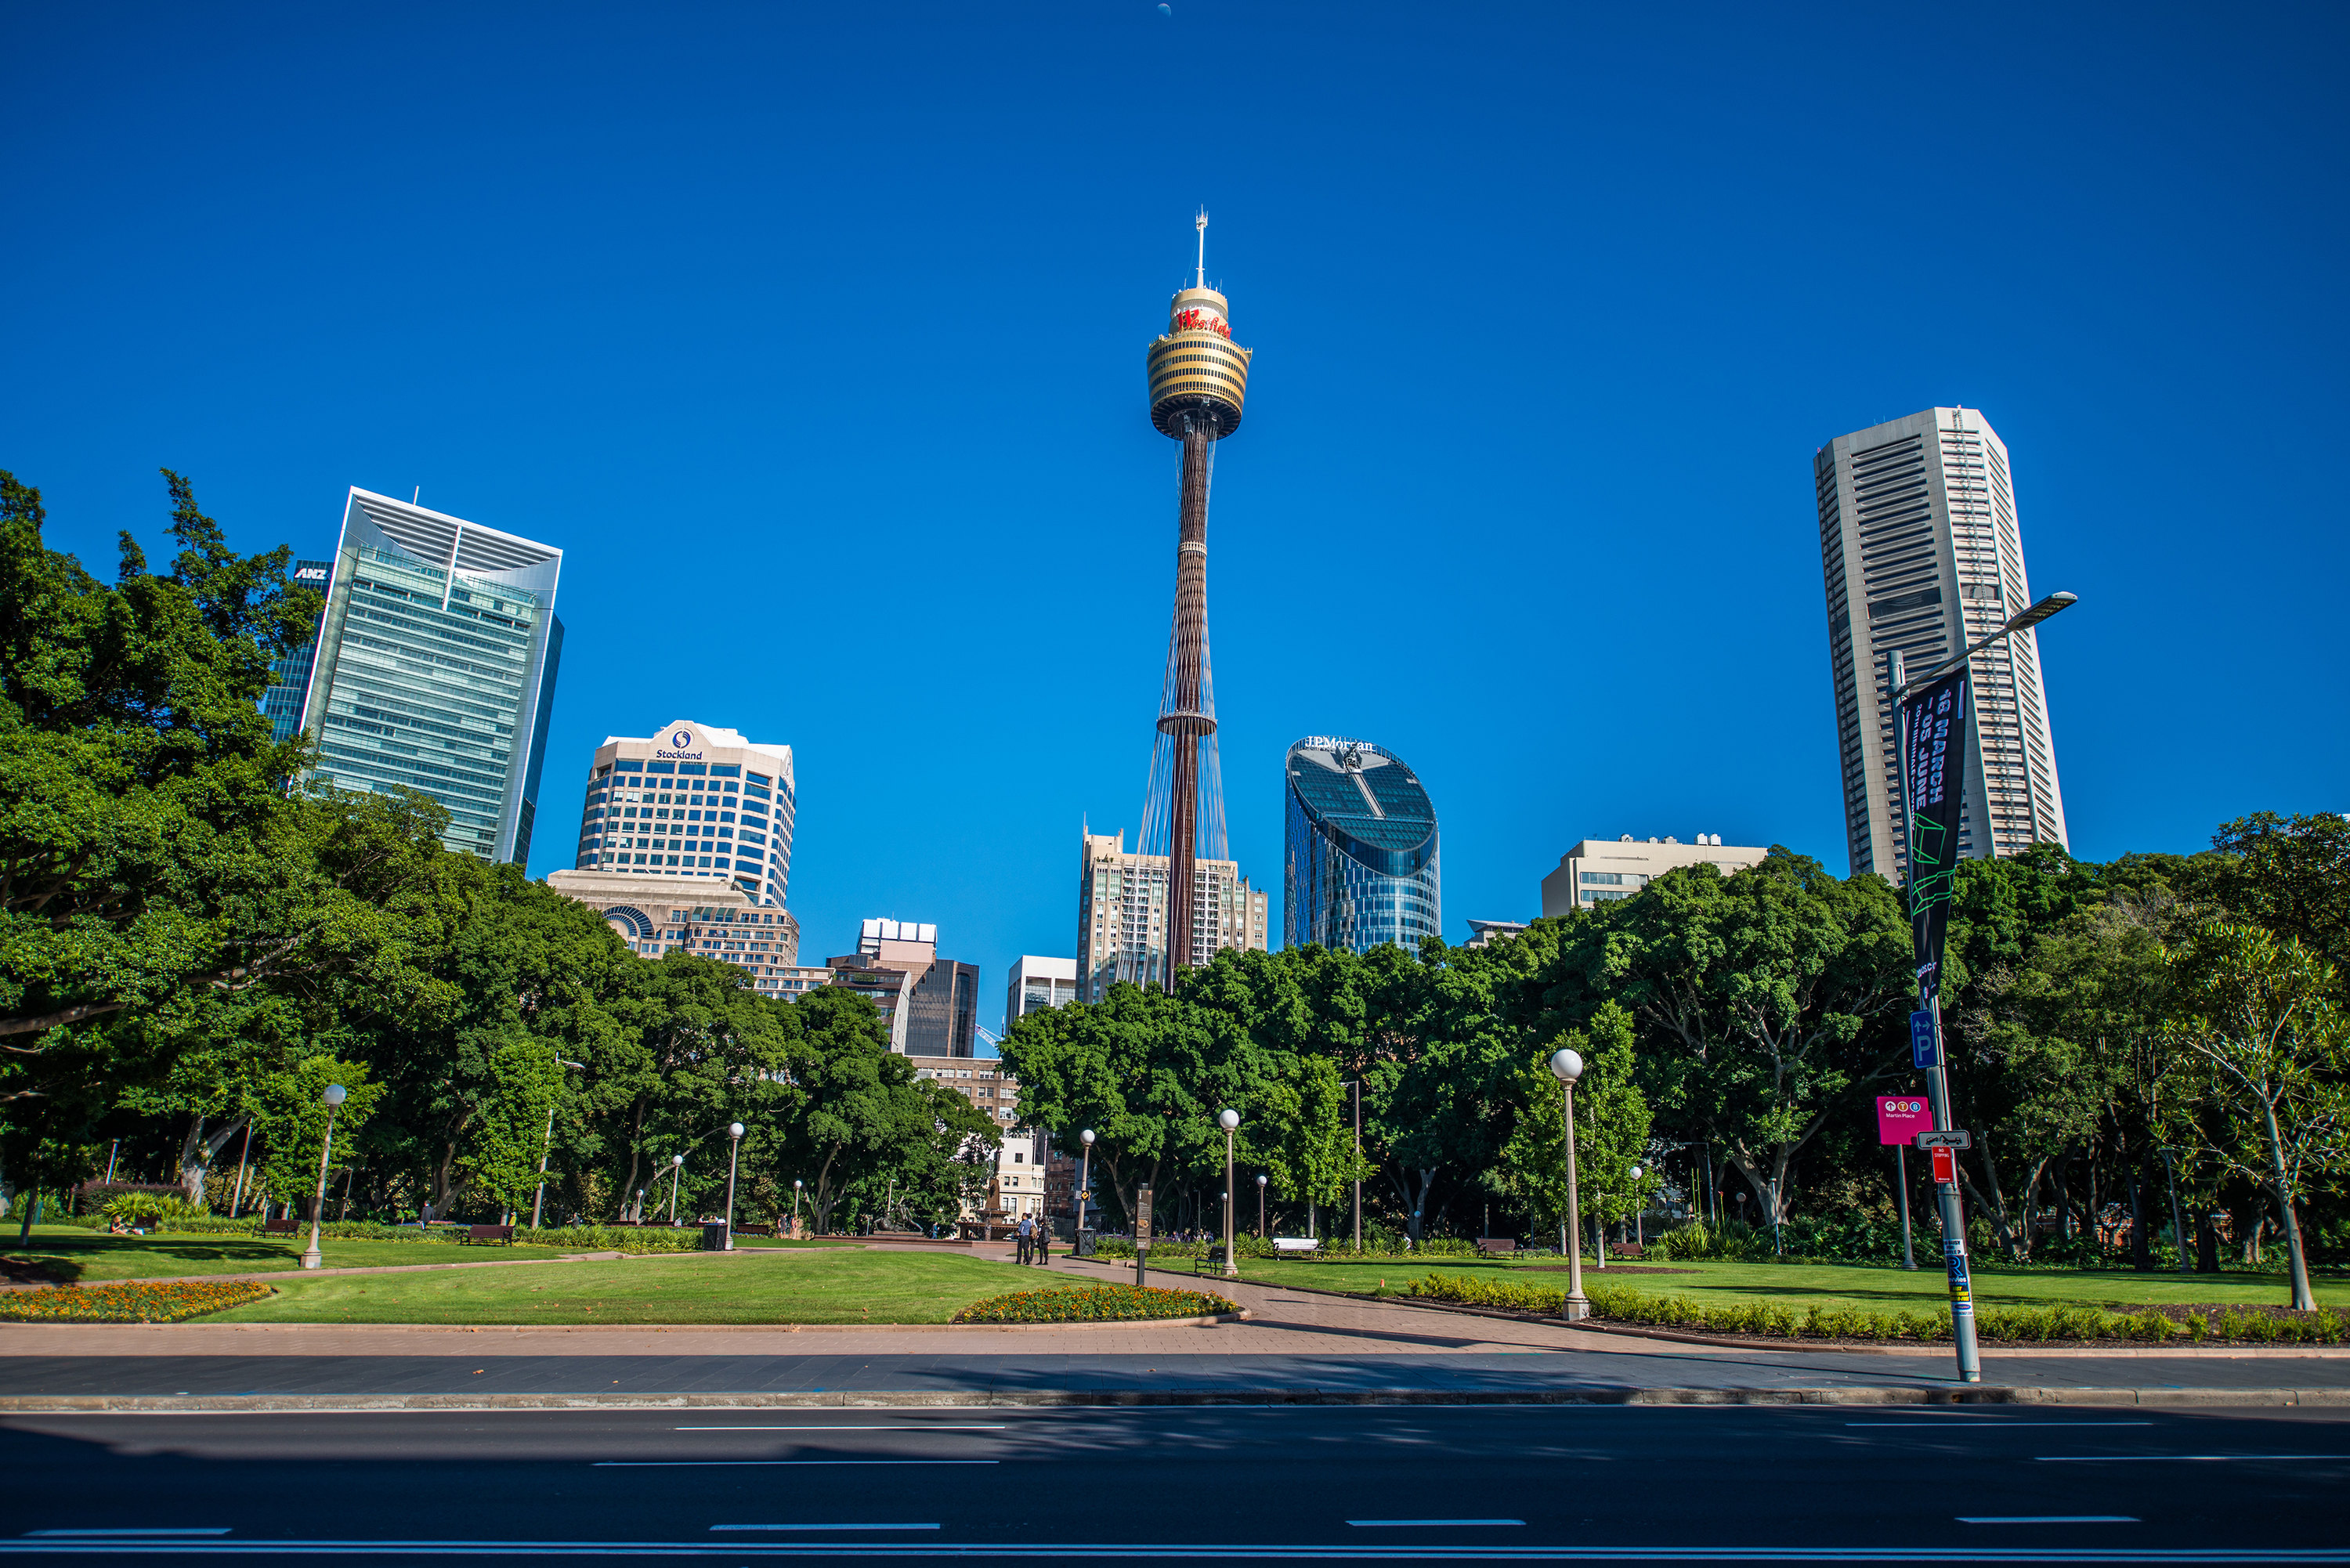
(1204, 247)
(417, 499)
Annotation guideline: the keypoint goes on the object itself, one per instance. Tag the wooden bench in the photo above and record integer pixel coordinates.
(1625, 1249)
(1496, 1246)
(1296, 1245)
(488, 1233)
(755, 1229)
(280, 1227)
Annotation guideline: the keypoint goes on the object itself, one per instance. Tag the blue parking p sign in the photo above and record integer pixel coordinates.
(1921, 1040)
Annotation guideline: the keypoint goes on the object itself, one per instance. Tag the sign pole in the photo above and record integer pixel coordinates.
(1141, 1236)
(1901, 1180)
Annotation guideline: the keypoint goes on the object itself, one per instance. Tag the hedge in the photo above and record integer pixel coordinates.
(2009, 1324)
(574, 1238)
(1095, 1303)
(137, 1301)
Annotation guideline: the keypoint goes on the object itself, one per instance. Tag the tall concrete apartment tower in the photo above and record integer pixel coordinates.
(434, 667)
(1921, 551)
(1199, 380)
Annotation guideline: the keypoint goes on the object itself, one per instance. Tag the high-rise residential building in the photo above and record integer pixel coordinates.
(289, 676)
(930, 1004)
(691, 800)
(1123, 918)
(659, 914)
(1360, 857)
(1600, 870)
(1922, 553)
(1039, 983)
(434, 668)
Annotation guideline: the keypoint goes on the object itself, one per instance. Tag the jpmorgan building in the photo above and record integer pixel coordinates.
(1359, 857)
(691, 800)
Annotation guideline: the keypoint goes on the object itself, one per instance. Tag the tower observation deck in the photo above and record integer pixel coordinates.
(1199, 384)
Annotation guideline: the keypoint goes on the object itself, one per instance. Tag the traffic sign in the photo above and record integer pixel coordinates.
(1946, 1163)
(1923, 1052)
(1948, 1138)
(1901, 1117)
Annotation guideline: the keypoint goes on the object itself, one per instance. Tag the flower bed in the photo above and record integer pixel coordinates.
(1992, 1324)
(139, 1300)
(1095, 1303)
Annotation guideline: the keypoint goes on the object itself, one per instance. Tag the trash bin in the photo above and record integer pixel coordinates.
(713, 1235)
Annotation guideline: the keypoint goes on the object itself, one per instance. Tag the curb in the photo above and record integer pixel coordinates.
(1983, 1394)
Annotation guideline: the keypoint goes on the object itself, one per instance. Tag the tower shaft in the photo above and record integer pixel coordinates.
(1185, 723)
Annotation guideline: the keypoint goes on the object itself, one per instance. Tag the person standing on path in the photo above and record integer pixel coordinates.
(1044, 1242)
(1020, 1232)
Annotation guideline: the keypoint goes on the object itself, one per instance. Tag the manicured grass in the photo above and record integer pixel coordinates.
(811, 1286)
(63, 1252)
(1829, 1285)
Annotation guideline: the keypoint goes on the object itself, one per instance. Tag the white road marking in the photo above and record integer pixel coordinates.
(718, 1527)
(908, 1427)
(729, 1464)
(191, 1530)
(2175, 1458)
(2001, 1425)
(2050, 1519)
(1423, 1523)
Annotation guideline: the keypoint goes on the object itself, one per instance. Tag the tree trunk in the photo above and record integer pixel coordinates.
(2288, 1223)
(2207, 1245)
(2141, 1255)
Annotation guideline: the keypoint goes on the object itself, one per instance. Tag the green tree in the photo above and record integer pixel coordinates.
(291, 1116)
(1611, 1130)
(2258, 1026)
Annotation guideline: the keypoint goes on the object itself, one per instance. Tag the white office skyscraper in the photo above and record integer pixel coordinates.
(1921, 550)
(434, 667)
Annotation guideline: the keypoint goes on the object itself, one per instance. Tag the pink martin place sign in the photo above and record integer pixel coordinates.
(1901, 1117)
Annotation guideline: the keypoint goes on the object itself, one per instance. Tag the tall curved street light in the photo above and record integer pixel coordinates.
(1567, 1067)
(1084, 1190)
(676, 1175)
(1260, 1205)
(332, 1098)
(1230, 1121)
(733, 1155)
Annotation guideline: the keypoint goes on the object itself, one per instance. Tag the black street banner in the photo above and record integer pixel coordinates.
(1933, 787)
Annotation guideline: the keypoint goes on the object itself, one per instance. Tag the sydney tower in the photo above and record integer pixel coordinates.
(1198, 378)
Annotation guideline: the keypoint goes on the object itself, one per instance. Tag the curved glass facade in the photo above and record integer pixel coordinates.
(1359, 862)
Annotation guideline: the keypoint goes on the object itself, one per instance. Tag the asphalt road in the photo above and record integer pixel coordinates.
(1186, 1484)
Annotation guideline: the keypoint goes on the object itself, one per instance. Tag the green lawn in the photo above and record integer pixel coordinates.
(1803, 1284)
(69, 1253)
(808, 1285)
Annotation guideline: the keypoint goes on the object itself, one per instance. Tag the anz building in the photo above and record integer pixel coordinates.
(1360, 860)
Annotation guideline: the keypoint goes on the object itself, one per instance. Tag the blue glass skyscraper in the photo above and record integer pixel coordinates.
(1359, 866)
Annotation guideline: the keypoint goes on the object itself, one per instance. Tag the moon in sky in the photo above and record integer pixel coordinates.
(1165, 12)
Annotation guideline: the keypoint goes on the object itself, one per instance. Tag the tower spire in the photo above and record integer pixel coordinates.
(1203, 281)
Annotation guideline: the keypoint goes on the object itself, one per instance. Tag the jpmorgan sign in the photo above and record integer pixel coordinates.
(679, 742)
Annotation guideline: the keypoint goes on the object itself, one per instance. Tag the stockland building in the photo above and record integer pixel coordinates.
(685, 840)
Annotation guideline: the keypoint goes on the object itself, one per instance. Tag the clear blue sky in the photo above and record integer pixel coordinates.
(816, 340)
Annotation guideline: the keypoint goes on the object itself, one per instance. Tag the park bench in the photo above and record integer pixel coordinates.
(1296, 1245)
(489, 1233)
(280, 1227)
(1625, 1249)
(755, 1229)
(1496, 1246)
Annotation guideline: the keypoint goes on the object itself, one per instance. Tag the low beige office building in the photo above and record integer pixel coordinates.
(716, 919)
(1599, 869)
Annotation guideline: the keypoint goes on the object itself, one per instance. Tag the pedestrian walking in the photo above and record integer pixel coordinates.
(1021, 1232)
(1044, 1242)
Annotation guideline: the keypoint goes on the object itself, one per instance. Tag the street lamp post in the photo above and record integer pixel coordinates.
(1260, 1206)
(1567, 1067)
(546, 1149)
(733, 1155)
(1230, 1121)
(676, 1175)
(1639, 1233)
(1084, 1190)
(333, 1097)
(796, 1209)
(1937, 1081)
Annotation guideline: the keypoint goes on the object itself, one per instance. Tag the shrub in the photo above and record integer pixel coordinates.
(616, 1239)
(1095, 1303)
(150, 1208)
(1732, 1241)
(1992, 1324)
(138, 1301)
(94, 1197)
